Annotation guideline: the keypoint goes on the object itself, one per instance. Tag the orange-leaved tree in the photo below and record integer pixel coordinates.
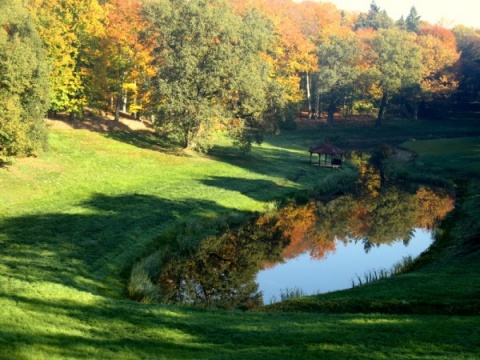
(123, 58)
(439, 55)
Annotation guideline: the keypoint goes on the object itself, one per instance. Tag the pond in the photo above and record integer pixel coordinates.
(339, 270)
(318, 246)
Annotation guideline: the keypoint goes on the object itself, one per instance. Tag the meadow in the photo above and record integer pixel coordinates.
(75, 219)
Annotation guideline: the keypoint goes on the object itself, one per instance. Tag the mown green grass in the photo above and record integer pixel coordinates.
(75, 220)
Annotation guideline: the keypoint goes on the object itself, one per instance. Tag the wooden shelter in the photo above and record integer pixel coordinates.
(327, 149)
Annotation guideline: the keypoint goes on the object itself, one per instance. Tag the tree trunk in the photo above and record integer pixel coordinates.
(318, 113)
(381, 110)
(331, 113)
(415, 110)
(309, 97)
(118, 106)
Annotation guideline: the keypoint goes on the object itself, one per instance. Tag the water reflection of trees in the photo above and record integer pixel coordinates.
(220, 270)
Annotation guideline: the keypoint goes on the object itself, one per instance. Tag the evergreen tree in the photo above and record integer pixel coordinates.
(23, 83)
(375, 19)
(412, 22)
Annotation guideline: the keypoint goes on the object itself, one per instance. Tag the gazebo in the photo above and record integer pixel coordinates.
(336, 155)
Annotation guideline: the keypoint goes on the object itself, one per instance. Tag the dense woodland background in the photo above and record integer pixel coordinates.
(196, 67)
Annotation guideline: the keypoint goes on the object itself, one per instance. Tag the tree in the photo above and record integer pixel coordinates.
(69, 29)
(122, 57)
(212, 71)
(24, 91)
(468, 40)
(397, 64)
(439, 56)
(339, 68)
(375, 19)
(293, 57)
(412, 22)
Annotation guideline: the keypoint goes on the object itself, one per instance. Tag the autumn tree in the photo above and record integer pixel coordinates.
(212, 71)
(69, 29)
(439, 55)
(24, 90)
(292, 58)
(468, 41)
(122, 58)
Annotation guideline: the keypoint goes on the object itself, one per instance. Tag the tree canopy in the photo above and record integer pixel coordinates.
(197, 67)
(24, 90)
(213, 71)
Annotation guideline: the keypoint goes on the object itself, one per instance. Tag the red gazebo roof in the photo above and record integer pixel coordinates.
(325, 148)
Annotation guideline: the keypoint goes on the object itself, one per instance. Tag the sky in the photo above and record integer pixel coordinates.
(454, 12)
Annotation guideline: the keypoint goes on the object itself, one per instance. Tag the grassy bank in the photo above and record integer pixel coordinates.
(74, 220)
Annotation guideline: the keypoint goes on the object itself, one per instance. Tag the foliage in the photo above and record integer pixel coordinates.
(439, 55)
(212, 71)
(24, 92)
(340, 62)
(69, 29)
(468, 40)
(412, 22)
(376, 19)
(122, 59)
(397, 64)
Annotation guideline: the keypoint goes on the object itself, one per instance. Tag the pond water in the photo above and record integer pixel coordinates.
(338, 269)
(315, 247)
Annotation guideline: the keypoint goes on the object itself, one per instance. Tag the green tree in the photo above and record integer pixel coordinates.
(412, 22)
(397, 65)
(339, 68)
(24, 87)
(211, 71)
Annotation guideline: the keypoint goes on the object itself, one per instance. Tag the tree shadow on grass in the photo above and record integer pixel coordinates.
(257, 189)
(97, 240)
(110, 329)
(265, 161)
(146, 139)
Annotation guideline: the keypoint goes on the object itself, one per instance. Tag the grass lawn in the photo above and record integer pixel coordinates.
(74, 220)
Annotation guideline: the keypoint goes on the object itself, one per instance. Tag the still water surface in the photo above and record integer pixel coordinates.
(337, 270)
(316, 247)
